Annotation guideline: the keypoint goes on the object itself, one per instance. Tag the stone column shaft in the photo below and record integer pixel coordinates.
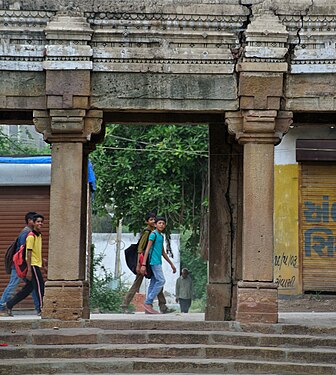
(66, 294)
(258, 212)
(66, 210)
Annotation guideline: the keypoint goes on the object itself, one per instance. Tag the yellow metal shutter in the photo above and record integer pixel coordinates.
(15, 202)
(318, 226)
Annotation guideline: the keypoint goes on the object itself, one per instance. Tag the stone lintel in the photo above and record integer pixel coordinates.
(66, 300)
(257, 303)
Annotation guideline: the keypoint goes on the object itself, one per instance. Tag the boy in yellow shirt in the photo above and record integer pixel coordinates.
(34, 261)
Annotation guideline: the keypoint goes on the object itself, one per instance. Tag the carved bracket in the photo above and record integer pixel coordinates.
(71, 125)
(258, 126)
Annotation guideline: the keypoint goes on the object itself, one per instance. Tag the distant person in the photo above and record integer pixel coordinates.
(34, 262)
(153, 254)
(150, 221)
(184, 291)
(14, 278)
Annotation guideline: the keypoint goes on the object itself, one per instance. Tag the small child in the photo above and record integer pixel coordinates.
(153, 254)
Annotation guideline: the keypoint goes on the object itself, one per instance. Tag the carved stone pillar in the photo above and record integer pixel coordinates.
(68, 124)
(258, 126)
(258, 131)
(67, 292)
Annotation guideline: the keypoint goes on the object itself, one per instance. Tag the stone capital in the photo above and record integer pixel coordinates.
(71, 125)
(258, 126)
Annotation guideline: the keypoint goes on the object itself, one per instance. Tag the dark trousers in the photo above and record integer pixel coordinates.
(184, 305)
(36, 283)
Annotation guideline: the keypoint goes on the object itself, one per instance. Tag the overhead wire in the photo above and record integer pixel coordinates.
(11, 141)
(171, 150)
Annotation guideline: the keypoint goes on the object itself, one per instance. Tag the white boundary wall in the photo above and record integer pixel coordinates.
(105, 243)
(285, 152)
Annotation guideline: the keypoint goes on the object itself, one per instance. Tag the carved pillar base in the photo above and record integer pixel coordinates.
(66, 300)
(257, 302)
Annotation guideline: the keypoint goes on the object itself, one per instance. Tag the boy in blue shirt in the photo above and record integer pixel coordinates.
(154, 253)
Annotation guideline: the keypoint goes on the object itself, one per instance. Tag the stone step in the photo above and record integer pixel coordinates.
(304, 355)
(160, 366)
(75, 336)
(7, 324)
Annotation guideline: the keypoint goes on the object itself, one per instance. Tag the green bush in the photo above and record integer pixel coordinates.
(107, 293)
(198, 305)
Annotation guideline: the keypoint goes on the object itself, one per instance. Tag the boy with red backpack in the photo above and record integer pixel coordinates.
(10, 269)
(34, 262)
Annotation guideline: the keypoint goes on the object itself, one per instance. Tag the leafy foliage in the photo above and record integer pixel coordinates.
(140, 168)
(102, 296)
(10, 145)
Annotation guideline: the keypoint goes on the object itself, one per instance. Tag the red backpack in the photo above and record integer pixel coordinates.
(19, 260)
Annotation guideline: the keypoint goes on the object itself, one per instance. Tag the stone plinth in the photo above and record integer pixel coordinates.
(66, 300)
(218, 306)
(257, 302)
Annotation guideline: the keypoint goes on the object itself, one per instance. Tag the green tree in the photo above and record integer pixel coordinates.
(140, 168)
(10, 145)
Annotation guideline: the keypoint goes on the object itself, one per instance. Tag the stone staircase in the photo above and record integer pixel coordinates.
(164, 347)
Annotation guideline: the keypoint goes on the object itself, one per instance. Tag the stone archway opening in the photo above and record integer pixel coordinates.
(223, 249)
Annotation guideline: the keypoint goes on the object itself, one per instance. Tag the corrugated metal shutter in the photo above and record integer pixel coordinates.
(15, 202)
(318, 226)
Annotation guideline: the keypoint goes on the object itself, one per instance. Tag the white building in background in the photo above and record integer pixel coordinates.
(106, 244)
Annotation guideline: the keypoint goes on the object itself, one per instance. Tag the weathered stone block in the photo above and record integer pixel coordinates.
(260, 91)
(218, 302)
(25, 102)
(307, 91)
(257, 305)
(23, 84)
(54, 101)
(164, 91)
(80, 102)
(68, 83)
(66, 300)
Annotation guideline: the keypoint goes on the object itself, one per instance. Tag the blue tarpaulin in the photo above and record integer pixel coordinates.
(44, 160)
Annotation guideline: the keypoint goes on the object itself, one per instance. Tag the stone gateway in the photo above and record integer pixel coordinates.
(247, 68)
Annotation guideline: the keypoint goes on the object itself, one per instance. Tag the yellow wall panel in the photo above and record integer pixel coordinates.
(286, 241)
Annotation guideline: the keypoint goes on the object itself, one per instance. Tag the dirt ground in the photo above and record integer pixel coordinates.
(309, 302)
